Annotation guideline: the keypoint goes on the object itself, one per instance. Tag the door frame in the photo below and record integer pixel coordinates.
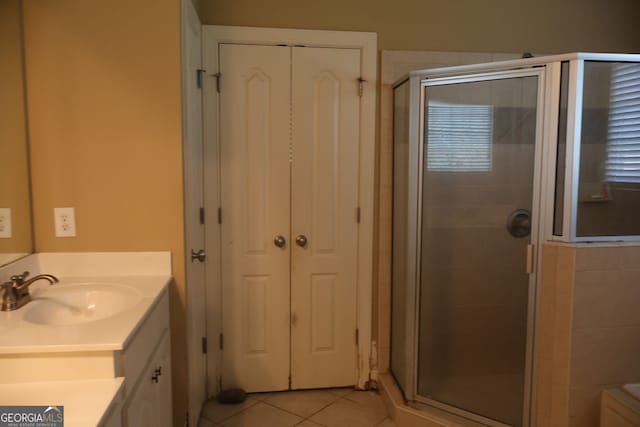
(192, 147)
(419, 84)
(213, 36)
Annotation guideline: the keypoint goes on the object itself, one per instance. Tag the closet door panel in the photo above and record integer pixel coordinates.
(255, 176)
(325, 141)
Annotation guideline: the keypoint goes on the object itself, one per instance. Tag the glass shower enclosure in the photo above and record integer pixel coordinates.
(490, 161)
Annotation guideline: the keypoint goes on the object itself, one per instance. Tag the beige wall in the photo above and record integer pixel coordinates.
(104, 101)
(14, 171)
(463, 25)
(588, 330)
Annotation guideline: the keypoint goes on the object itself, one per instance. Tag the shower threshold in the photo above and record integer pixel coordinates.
(414, 413)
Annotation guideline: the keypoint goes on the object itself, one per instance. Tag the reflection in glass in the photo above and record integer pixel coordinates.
(609, 183)
(459, 137)
(473, 284)
(14, 170)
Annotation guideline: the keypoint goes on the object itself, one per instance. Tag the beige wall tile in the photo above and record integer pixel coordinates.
(606, 299)
(605, 356)
(630, 257)
(584, 406)
(559, 406)
(598, 257)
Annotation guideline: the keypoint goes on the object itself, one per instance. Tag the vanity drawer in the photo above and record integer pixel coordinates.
(139, 348)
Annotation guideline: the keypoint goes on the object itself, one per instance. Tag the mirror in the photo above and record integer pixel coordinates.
(15, 202)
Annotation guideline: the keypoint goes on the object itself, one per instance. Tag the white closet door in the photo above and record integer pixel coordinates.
(325, 140)
(255, 175)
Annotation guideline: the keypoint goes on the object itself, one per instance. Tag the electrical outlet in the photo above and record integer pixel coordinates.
(65, 220)
(5, 223)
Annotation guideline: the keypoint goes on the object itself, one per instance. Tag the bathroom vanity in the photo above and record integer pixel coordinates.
(98, 341)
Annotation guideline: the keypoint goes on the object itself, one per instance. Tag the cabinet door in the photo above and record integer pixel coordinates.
(140, 405)
(150, 402)
(161, 366)
(254, 159)
(324, 201)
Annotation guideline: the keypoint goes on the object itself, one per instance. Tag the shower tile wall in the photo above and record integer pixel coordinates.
(589, 330)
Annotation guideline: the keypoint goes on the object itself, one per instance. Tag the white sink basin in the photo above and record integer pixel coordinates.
(61, 305)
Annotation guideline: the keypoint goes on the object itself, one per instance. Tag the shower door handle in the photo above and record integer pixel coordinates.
(519, 223)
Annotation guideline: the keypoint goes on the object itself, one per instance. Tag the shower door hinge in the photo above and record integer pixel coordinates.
(221, 341)
(218, 76)
(357, 336)
(530, 258)
(204, 345)
(201, 213)
(219, 215)
(361, 83)
(199, 73)
(358, 215)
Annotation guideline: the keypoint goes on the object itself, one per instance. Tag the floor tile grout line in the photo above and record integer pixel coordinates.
(297, 415)
(220, 421)
(336, 399)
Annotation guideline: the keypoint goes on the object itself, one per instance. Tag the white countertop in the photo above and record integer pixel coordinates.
(148, 273)
(85, 402)
(17, 335)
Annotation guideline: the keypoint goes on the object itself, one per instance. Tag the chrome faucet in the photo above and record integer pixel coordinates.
(16, 291)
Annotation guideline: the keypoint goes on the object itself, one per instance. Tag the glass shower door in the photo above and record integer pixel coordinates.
(477, 201)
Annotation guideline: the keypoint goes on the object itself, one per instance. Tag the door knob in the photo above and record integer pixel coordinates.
(301, 240)
(519, 223)
(279, 241)
(201, 255)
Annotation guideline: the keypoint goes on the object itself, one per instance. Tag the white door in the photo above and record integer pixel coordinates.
(324, 195)
(289, 160)
(255, 179)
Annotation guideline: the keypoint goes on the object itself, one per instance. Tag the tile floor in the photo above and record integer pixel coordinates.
(342, 407)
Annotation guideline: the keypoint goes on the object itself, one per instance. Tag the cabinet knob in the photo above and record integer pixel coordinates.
(154, 378)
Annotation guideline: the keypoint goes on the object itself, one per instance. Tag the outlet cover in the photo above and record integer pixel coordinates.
(65, 221)
(5, 223)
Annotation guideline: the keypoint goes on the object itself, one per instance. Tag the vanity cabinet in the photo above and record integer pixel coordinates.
(146, 365)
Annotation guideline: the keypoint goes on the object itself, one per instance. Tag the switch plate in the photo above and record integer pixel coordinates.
(65, 221)
(5, 223)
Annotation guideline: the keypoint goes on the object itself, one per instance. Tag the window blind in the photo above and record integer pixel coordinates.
(623, 140)
(459, 137)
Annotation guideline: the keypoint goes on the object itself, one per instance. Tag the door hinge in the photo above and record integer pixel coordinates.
(358, 215)
(199, 73)
(219, 215)
(357, 336)
(221, 341)
(201, 216)
(530, 258)
(361, 83)
(204, 345)
(218, 76)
